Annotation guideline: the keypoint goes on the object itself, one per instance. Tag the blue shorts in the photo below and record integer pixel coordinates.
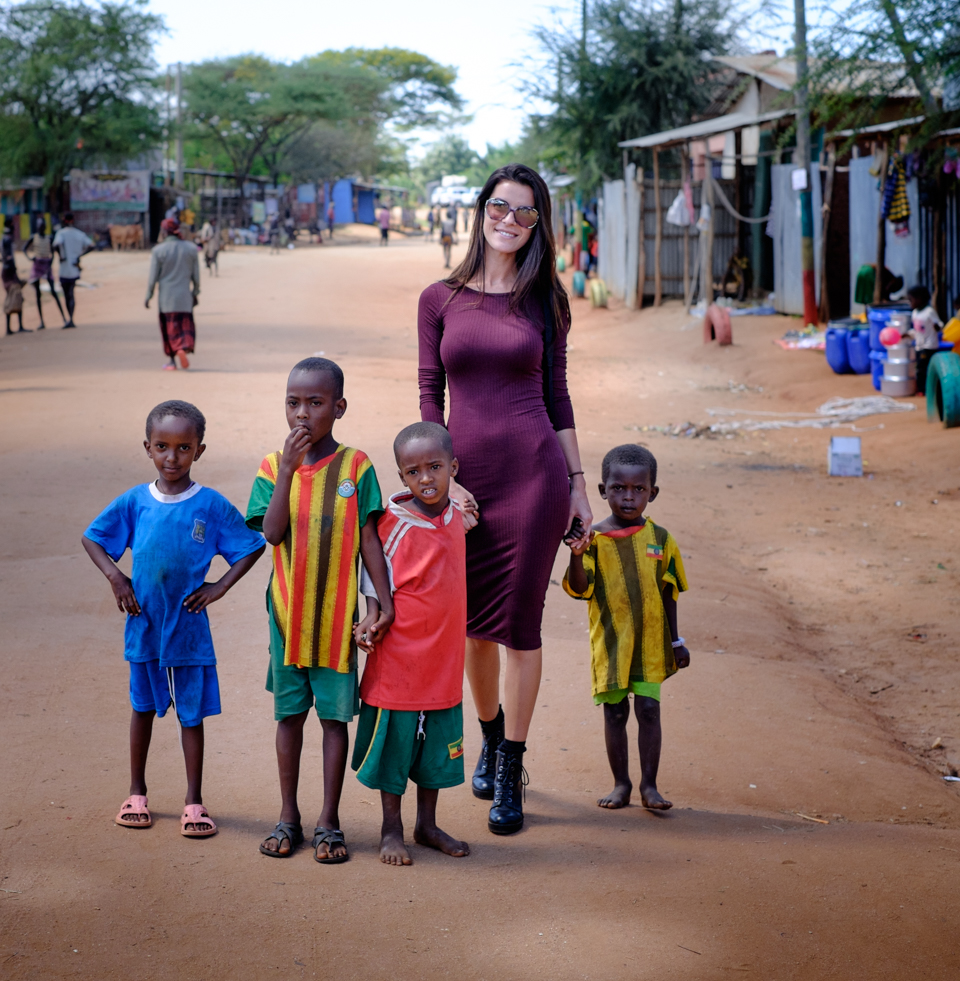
(194, 690)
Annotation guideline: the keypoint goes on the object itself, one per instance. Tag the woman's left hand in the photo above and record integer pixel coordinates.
(580, 508)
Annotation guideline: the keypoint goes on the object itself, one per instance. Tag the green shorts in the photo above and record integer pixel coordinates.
(648, 689)
(387, 751)
(296, 690)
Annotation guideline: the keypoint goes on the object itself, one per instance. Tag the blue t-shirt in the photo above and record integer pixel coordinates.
(173, 541)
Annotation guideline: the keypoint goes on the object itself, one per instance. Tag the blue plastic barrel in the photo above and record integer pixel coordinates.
(858, 351)
(877, 317)
(836, 350)
(876, 366)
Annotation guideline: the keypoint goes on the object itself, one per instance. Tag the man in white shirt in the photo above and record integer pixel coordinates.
(71, 244)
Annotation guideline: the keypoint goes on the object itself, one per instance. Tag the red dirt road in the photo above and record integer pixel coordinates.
(804, 694)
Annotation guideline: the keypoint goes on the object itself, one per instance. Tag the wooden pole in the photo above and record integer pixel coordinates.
(642, 262)
(825, 228)
(684, 176)
(658, 235)
(706, 239)
(881, 230)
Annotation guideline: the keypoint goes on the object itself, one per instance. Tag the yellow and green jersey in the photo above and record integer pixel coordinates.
(627, 570)
(312, 594)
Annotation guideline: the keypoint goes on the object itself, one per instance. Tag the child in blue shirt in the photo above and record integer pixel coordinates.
(173, 528)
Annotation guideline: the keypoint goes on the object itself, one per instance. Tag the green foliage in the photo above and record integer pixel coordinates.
(250, 108)
(642, 68)
(451, 154)
(419, 92)
(77, 86)
(883, 50)
(322, 117)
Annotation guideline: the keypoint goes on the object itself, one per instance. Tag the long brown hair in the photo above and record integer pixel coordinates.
(537, 276)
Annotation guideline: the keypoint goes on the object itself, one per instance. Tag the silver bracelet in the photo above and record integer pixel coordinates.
(679, 642)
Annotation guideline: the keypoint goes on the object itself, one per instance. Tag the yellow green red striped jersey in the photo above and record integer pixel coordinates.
(629, 634)
(312, 595)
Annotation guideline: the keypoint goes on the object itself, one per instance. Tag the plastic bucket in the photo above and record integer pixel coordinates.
(858, 351)
(876, 367)
(878, 317)
(835, 350)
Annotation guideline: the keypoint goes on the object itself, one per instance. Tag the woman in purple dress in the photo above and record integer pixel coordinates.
(495, 332)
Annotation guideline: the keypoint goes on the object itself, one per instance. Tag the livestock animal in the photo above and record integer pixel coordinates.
(126, 236)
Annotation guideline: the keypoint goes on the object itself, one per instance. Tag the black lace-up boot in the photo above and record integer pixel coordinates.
(506, 815)
(483, 775)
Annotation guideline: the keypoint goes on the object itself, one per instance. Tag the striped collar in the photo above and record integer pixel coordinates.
(396, 507)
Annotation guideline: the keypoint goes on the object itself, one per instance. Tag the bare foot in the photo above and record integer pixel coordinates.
(393, 851)
(618, 797)
(651, 799)
(435, 838)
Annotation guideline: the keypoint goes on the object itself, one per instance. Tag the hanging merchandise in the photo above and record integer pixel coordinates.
(896, 206)
(703, 222)
(688, 197)
(677, 213)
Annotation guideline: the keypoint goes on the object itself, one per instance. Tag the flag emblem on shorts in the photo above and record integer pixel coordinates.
(655, 552)
(347, 488)
(199, 531)
(456, 749)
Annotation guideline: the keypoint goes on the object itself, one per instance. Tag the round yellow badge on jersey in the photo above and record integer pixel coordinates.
(347, 488)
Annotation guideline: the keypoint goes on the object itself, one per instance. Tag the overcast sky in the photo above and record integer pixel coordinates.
(484, 41)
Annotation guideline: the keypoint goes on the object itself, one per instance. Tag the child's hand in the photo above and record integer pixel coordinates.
(295, 448)
(471, 513)
(363, 632)
(682, 656)
(381, 625)
(580, 545)
(201, 598)
(123, 591)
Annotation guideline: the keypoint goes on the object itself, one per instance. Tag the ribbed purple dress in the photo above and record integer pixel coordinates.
(509, 454)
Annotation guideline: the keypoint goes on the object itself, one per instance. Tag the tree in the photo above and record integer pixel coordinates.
(879, 50)
(419, 92)
(77, 86)
(250, 108)
(636, 68)
(451, 154)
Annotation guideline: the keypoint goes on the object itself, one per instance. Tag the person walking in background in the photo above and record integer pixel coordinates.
(12, 284)
(384, 224)
(71, 244)
(448, 232)
(209, 239)
(175, 266)
(331, 214)
(466, 220)
(430, 223)
(42, 257)
(503, 317)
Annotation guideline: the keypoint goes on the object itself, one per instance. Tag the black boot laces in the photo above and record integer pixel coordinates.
(506, 778)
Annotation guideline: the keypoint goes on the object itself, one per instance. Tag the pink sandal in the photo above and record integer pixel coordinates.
(134, 805)
(196, 814)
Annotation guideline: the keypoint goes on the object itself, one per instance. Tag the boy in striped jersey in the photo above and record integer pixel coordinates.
(631, 573)
(317, 502)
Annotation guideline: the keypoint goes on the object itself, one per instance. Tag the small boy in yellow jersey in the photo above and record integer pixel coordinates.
(317, 503)
(631, 574)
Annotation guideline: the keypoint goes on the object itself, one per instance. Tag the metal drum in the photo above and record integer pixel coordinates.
(900, 370)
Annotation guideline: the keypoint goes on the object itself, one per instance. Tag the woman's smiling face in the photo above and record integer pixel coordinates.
(506, 235)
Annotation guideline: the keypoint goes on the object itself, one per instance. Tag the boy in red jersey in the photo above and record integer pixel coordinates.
(314, 503)
(411, 717)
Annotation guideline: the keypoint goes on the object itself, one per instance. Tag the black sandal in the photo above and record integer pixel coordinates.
(330, 838)
(284, 831)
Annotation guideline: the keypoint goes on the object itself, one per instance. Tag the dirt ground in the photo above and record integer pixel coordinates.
(821, 616)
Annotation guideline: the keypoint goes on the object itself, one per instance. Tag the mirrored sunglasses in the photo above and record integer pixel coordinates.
(497, 209)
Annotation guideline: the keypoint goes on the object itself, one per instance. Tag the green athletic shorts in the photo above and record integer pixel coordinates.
(296, 690)
(393, 746)
(648, 689)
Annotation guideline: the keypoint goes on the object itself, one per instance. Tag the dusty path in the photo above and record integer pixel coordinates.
(795, 578)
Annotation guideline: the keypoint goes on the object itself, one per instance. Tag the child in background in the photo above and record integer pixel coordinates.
(951, 331)
(317, 503)
(174, 528)
(925, 324)
(631, 573)
(411, 717)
